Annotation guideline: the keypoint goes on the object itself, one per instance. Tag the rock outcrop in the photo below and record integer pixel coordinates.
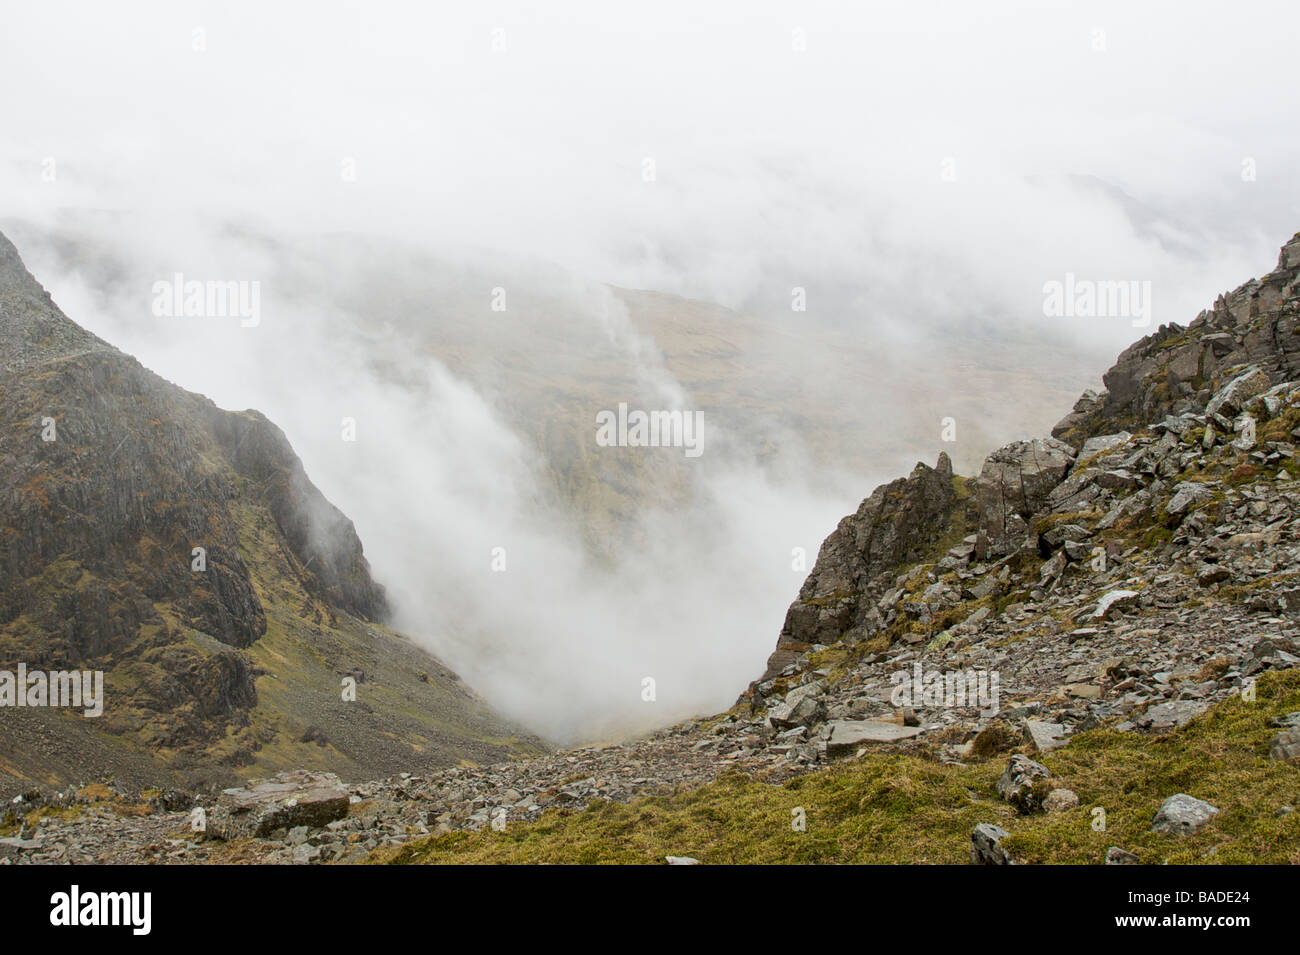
(891, 527)
(1012, 487)
(1130, 572)
(1250, 334)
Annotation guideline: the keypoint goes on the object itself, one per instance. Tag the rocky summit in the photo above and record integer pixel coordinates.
(1087, 652)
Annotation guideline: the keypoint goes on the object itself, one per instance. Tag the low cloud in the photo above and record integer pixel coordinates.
(913, 179)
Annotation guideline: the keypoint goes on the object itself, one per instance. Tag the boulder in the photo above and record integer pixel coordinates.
(1232, 397)
(298, 798)
(1210, 574)
(1103, 442)
(1114, 601)
(986, 848)
(1060, 800)
(1182, 815)
(1066, 532)
(1018, 784)
(1017, 480)
(847, 735)
(1117, 479)
(1244, 427)
(1286, 746)
(799, 709)
(1078, 551)
(1089, 403)
(1167, 716)
(1187, 493)
(1045, 736)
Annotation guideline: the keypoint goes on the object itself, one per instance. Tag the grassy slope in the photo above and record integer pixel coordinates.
(888, 808)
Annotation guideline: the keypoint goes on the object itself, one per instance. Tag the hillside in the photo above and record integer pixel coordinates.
(182, 550)
(1087, 653)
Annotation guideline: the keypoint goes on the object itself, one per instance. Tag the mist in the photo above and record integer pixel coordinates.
(380, 170)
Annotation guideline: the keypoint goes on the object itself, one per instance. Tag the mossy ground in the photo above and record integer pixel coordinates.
(892, 808)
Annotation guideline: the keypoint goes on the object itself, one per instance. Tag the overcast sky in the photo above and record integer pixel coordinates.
(526, 127)
(910, 165)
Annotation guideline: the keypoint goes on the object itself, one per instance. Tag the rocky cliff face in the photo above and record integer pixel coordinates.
(893, 526)
(1095, 570)
(114, 470)
(149, 533)
(1177, 370)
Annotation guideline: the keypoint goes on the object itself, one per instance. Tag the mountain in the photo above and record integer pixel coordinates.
(1087, 653)
(794, 394)
(182, 550)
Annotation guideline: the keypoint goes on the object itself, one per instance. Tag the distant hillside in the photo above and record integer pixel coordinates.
(820, 400)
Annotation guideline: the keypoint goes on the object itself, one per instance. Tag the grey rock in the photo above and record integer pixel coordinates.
(288, 800)
(1209, 574)
(1286, 746)
(1104, 442)
(1233, 396)
(1078, 550)
(1187, 493)
(847, 735)
(1182, 815)
(1116, 480)
(1017, 782)
(305, 854)
(805, 710)
(1117, 856)
(986, 848)
(1171, 715)
(1060, 800)
(1016, 481)
(1046, 736)
(1113, 601)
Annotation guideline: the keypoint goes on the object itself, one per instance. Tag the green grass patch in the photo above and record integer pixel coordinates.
(893, 808)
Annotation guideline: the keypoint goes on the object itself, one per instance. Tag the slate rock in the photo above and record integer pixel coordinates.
(299, 798)
(847, 735)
